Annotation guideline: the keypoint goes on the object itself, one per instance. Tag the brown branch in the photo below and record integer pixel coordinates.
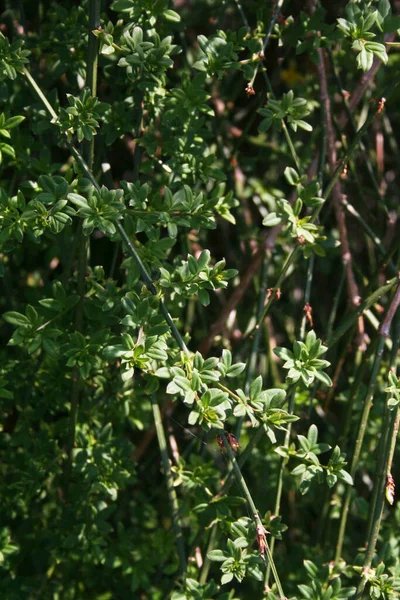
(347, 258)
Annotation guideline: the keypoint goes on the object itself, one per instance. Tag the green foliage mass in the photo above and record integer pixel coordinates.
(181, 287)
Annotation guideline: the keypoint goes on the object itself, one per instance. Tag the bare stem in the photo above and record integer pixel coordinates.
(282, 465)
(246, 492)
(383, 334)
(173, 499)
(337, 193)
(82, 240)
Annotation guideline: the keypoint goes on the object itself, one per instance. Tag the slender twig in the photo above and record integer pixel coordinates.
(352, 317)
(207, 562)
(274, 19)
(383, 333)
(383, 468)
(82, 240)
(282, 465)
(335, 304)
(173, 499)
(227, 484)
(379, 486)
(255, 515)
(360, 369)
(389, 420)
(371, 234)
(347, 259)
(255, 342)
(352, 122)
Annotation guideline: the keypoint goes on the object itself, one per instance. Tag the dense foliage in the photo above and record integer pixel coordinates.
(199, 252)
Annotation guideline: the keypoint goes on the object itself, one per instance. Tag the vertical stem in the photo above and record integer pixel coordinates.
(383, 334)
(379, 487)
(228, 481)
(332, 315)
(207, 562)
(283, 463)
(243, 486)
(256, 339)
(389, 422)
(354, 389)
(83, 241)
(354, 127)
(173, 499)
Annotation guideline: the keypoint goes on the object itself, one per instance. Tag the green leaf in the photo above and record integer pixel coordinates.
(291, 175)
(16, 318)
(171, 15)
(78, 200)
(14, 121)
(271, 220)
(204, 297)
(216, 555)
(312, 435)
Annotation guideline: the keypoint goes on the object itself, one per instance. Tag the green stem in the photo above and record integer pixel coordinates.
(173, 499)
(289, 261)
(282, 465)
(152, 288)
(83, 241)
(228, 391)
(335, 304)
(207, 562)
(377, 507)
(292, 149)
(354, 390)
(383, 334)
(375, 239)
(274, 19)
(246, 492)
(256, 340)
(228, 480)
(351, 318)
(380, 470)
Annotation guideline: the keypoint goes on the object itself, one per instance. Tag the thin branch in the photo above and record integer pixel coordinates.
(347, 259)
(82, 240)
(282, 465)
(173, 498)
(243, 486)
(383, 334)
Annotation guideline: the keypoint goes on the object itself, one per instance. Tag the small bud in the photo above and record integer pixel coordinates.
(232, 441)
(250, 90)
(390, 489)
(308, 312)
